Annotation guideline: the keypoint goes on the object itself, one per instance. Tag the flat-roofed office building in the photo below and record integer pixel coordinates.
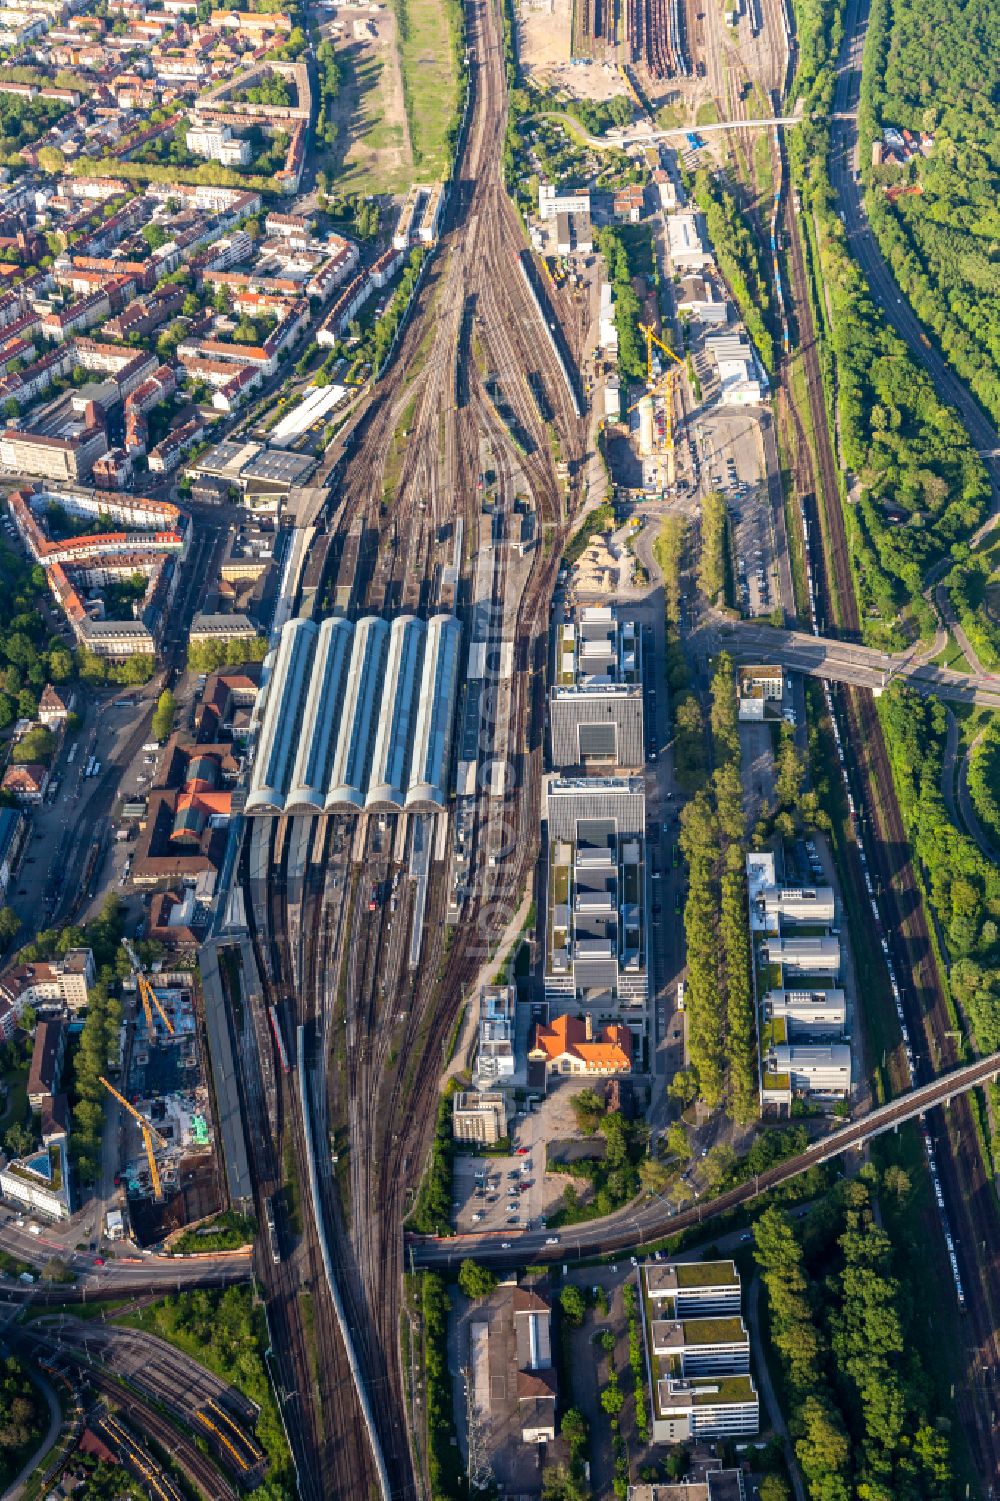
(595, 708)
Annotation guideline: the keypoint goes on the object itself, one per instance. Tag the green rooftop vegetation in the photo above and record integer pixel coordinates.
(709, 1391)
(706, 1274)
(713, 1331)
(729, 1389)
(777, 1081)
(560, 885)
(773, 1032)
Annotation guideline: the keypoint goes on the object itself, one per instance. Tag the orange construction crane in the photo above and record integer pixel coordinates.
(149, 1135)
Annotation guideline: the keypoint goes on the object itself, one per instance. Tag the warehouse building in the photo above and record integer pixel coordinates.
(358, 717)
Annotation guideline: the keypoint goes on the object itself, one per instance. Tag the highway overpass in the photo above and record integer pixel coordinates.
(847, 662)
(650, 1220)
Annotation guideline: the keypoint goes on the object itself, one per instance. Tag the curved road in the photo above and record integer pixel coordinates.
(970, 817)
(644, 1222)
(864, 247)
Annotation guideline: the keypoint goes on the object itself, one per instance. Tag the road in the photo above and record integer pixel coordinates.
(645, 1222)
(848, 662)
(124, 1272)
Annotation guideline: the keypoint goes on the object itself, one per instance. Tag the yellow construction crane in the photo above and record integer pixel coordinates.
(149, 1135)
(666, 382)
(147, 994)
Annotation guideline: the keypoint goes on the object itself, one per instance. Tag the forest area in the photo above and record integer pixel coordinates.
(922, 489)
(925, 65)
(962, 885)
(865, 1417)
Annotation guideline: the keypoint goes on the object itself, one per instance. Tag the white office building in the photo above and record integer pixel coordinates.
(804, 1068)
(495, 1052)
(800, 954)
(693, 1289)
(703, 1410)
(553, 201)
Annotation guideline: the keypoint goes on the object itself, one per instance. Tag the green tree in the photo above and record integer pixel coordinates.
(18, 1140)
(679, 1141)
(476, 1281)
(10, 925)
(712, 566)
(683, 1086)
(573, 1304)
(37, 745)
(612, 1399)
(163, 717)
(588, 1108)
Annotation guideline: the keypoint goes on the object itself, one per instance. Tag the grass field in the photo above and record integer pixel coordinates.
(430, 87)
(952, 656)
(372, 153)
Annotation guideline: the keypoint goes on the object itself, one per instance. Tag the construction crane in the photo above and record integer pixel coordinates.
(664, 386)
(147, 994)
(149, 1135)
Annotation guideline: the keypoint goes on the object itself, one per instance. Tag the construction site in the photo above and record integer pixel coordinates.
(655, 408)
(167, 1170)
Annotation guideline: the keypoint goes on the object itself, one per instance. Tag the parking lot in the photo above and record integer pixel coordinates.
(513, 1193)
(733, 462)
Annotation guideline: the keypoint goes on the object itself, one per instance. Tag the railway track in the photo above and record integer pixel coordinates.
(972, 1204)
(379, 1079)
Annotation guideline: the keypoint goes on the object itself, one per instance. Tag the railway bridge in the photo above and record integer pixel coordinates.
(642, 1223)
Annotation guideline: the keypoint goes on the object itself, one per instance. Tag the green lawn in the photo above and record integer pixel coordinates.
(430, 86)
(952, 657)
(16, 1080)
